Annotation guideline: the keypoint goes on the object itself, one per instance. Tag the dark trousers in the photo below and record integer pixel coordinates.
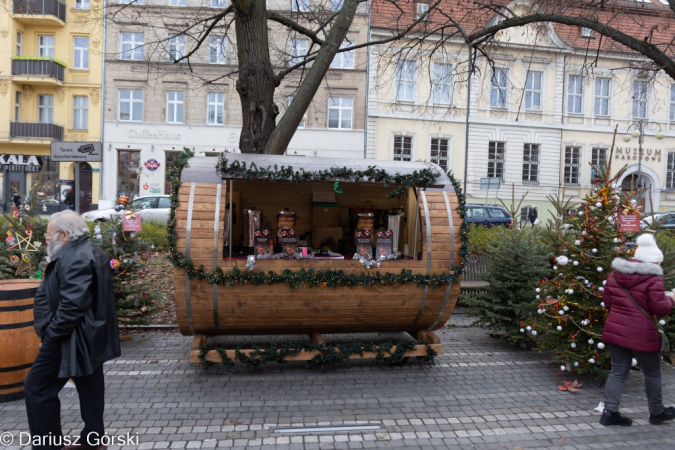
(43, 407)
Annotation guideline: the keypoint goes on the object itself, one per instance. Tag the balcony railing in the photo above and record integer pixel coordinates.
(38, 67)
(35, 130)
(54, 8)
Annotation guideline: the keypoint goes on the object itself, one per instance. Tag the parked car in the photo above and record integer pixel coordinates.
(664, 219)
(488, 215)
(153, 208)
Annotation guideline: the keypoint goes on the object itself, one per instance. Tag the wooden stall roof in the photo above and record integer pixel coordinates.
(203, 169)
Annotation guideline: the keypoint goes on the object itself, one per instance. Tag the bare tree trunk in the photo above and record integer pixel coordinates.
(257, 81)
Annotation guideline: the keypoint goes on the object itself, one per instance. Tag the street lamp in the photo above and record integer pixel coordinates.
(637, 130)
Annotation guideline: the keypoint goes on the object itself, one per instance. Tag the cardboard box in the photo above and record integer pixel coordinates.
(325, 216)
(320, 234)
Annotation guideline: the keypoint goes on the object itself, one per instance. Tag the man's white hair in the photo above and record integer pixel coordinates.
(71, 223)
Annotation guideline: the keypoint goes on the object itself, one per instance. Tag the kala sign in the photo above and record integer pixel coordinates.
(20, 163)
(76, 151)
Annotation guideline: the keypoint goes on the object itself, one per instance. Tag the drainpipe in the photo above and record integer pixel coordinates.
(468, 110)
(365, 127)
(101, 184)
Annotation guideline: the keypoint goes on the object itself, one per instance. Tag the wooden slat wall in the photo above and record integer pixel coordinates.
(275, 309)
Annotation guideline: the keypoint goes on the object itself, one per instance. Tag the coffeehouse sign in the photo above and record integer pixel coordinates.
(20, 163)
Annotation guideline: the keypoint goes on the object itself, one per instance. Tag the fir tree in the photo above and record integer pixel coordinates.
(571, 315)
(517, 262)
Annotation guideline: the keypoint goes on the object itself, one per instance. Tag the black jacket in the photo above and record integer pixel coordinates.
(75, 306)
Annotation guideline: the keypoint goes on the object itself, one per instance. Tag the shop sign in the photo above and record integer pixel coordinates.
(20, 163)
(154, 188)
(147, 134)
(76, 151)
(152, 165)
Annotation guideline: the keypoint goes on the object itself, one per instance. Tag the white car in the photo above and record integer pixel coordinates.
(153, 208)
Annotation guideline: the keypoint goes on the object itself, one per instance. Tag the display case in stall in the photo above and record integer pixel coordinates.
(334, 279)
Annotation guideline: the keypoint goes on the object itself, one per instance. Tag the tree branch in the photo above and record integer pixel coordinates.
(287, 22)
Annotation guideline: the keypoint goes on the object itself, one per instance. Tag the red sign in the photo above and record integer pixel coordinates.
(131, 223)
(628, 223)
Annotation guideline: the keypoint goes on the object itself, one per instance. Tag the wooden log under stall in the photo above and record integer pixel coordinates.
(431, 240)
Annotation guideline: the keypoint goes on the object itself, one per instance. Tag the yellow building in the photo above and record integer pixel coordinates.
(50, 90)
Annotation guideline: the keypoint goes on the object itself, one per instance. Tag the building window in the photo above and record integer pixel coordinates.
(343, 60)
(575, 94)
(131, 46)
(81, 4)
(672, 102)
(340, 112)
(80, 112)
(132, 2)
(533, 90)
(81, 53)
(130, 105)
(215, 109)
(217, 53)
(586, 32)
(298, 50)
(402, 148)
(128, 163)
(300, 5)
(337, 5)
(670, 171)
(174, 107)
(46, 46)
(176, 47)
(640, 89)
(531, 163)
(422, 9)
(17, 106)
(45, 108)
(169, 158)
(572, 158)
(177, 2)
(495, 160)
(598, 162)
(290, 100)
(442, 84)
(498, 89)
(19, 43)
(439, 152)
(405, 81)
(218, 3)
(601, 106)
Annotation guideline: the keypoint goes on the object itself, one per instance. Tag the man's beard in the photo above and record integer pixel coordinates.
(54, 246)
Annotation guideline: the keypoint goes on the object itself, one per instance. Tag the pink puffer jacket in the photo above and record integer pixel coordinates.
(626, 325)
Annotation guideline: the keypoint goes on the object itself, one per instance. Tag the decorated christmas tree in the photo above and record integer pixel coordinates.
(584, 241)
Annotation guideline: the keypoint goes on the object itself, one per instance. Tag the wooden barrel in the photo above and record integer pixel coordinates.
(212, 309)
(18, 340)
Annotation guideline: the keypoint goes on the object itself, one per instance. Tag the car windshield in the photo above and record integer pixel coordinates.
(498, 213)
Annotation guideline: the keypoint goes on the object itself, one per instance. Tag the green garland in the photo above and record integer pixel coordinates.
(328, 357)
(422, 178)
(311, 277)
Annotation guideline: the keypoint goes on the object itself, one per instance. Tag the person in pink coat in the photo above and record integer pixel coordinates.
(629, 332)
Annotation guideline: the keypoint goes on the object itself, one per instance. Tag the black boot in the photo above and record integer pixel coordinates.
(610, 418)
(667, 414)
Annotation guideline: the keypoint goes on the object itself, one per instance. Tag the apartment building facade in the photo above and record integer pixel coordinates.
(155, 107)
(533, 114)
(50, 90)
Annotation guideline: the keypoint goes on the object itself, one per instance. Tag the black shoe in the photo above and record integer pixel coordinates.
(667, 414)
(610, 418)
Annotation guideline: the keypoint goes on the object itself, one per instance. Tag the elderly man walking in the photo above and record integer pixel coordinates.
(76, 319)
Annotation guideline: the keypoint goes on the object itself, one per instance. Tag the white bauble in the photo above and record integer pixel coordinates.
(604, 282)
(601, 289)
(584, 233)
(561, 312)
(529, 328)
(662, 322)
(591, 341)
(602, 304)
(598, 205)
(600, 269)
(522, 330)
(633, 362)
(633, 202)
(537, 297)
(601, 345)
(562, 368)
(571, 291)
(573, 345)
(592, 361)
(576, 364)
(555, 267)
(562, 260)
(566, 308)
(534, 332)
(559, 328)
(577, 243)
(575, 263)
(595, 250)
(540, 311)
(616, 240)
(537, 290)
(567, 226)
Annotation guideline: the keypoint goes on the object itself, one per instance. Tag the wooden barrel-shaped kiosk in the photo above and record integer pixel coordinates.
(18, 340)
(433, 233)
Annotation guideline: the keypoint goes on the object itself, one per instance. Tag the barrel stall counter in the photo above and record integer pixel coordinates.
(218, 293)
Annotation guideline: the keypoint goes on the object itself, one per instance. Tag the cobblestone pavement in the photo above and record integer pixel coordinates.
(482, 393)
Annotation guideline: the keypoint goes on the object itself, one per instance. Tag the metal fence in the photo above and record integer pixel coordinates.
(41, 8)
(36, 67)
(35, 130)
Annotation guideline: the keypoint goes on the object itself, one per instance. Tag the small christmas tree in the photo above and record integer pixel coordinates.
(571, 315)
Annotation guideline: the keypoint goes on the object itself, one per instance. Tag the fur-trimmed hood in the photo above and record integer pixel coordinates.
(636, 267)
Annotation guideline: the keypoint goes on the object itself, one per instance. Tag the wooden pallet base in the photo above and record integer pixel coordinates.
(199, 342)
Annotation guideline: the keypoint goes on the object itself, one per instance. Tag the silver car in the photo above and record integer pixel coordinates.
(152, 208)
